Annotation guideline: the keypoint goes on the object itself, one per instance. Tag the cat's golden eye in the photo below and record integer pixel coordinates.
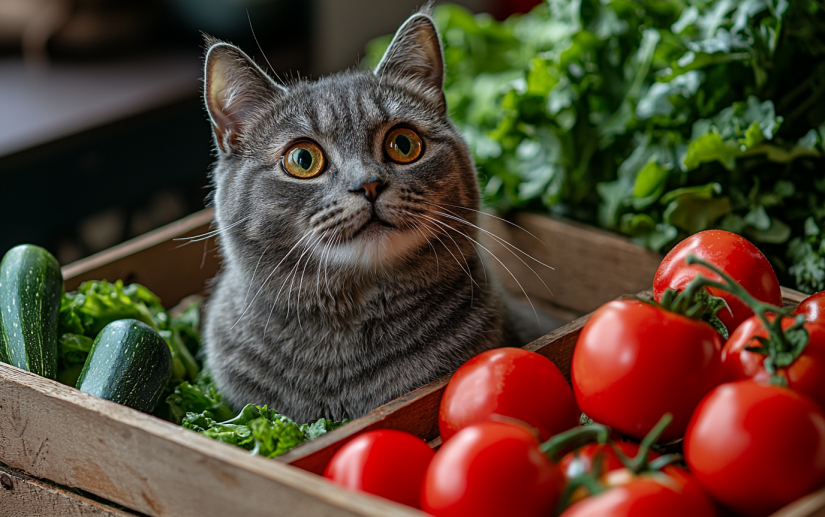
(403, 145)
(304, 160)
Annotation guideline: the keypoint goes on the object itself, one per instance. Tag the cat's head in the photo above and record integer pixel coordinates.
(360, 170)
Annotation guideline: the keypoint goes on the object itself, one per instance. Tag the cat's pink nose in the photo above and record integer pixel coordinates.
(371, 189)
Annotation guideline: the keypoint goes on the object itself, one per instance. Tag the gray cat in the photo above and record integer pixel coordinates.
(347, 209)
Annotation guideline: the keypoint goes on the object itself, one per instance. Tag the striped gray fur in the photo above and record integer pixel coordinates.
(317, 312)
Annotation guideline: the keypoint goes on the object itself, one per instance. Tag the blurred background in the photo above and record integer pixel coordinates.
(102, 133)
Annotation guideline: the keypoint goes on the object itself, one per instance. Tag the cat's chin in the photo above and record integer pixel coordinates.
(375, 246)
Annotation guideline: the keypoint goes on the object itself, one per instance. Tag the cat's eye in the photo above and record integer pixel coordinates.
(304, 160)
(403, 145)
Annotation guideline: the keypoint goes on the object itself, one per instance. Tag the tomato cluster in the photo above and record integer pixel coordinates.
(739, 420)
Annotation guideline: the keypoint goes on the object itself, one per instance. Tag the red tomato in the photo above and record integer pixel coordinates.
(491, 469)
(386, 463)
(731, 253)
(510, 382)
(756, 448)
(634, 362)
(813, 307)
(805, 375)
(672, 492)
(581, 460)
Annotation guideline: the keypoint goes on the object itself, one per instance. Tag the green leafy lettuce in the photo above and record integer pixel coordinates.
(259, 430)
(653, 119)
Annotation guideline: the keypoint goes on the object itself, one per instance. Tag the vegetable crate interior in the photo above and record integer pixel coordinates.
(54, 438)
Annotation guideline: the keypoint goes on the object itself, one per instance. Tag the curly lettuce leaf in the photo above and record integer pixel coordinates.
(259, 430)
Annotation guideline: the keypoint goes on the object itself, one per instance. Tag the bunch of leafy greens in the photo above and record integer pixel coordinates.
(191, 395)
(200, 397)
(652, 118)
(259, 430)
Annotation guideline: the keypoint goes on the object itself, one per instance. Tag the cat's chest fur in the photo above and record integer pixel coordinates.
(339, 358)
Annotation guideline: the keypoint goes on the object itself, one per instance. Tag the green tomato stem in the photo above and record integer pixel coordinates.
(574, 437)
(778, 348)
(640, 463)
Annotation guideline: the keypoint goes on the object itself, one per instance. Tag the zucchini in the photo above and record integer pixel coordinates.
(31, 287)
(129, 363)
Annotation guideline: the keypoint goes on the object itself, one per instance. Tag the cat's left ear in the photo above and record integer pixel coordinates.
(415, 54)
(235, 90)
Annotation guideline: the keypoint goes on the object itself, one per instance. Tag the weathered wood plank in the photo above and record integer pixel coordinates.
(172, 269)
(22, 496)
(590, 265)
(812, 505)
(55, 432)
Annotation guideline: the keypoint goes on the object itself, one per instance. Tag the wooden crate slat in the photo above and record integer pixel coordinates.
(579, 254)
(812, 505)
(55, 432)
(170, 268)
(22, 496)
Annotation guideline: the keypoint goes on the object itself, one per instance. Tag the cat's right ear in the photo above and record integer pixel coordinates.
(415, 55)
(235, 88)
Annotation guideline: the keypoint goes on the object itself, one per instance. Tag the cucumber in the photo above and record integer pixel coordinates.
(31, 287)
(129, 363)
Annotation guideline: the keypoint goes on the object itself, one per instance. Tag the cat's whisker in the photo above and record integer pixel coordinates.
(413, 225)
(511, 223)
(278, 295)
(483, 266)
(448, 235)
(270, 276)
(499, 239)
(466, 263)
(211, 233)
(467, 270)
(499, 261)
(321, 262)
(336, 240)
(293, 274)
(275, 303)
(252, 280)
(494, 236)
(301, 283)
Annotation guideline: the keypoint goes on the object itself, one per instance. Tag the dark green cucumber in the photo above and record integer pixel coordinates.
(31, 287)
(129, 363)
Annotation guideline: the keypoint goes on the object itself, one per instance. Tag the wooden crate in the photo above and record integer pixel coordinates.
(51, 433)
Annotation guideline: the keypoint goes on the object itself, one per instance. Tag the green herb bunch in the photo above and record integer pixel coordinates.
(656, 119)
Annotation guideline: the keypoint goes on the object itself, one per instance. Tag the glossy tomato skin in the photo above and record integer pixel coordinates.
(634, 362)
(510, 382)
(813, 307)
(491, 469)
(676, 495)
(734, 255)
(756, 448)
(387, 463)
(806, 375)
